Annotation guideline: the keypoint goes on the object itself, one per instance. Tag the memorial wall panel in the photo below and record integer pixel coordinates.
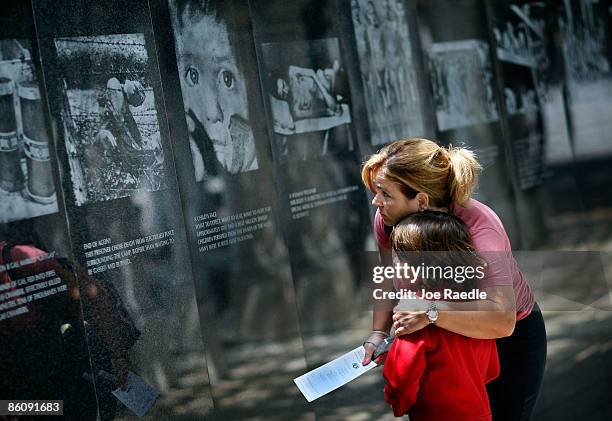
(586, 30)
(390, 73)
(324, 211)
(587, 51)
(455, 38)
(126, 222)
(531, 82)
(309, 114)
(526, 34)
(228, 191)
(43, 351)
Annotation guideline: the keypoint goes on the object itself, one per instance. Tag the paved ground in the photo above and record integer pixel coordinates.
(578, 382)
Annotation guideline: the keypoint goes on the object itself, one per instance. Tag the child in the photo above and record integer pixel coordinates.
(434, 374)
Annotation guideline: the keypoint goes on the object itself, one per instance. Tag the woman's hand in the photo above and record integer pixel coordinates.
(409, 316)
(370, 345)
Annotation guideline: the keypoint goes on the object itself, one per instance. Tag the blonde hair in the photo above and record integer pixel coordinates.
(448, 175)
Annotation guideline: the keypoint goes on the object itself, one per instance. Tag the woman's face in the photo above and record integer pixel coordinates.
(391, 202)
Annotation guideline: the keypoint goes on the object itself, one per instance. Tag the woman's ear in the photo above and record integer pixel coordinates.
(422, 201)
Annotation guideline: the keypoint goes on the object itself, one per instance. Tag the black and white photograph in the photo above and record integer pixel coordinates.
(109, 117)
(586, 46)
(455, 35)
(388, 74)
(27, 188)
(525, 125)
(307, 90)
(521, 44)
(462, 81)
(523, 32)
(519, 39)
(214, 90)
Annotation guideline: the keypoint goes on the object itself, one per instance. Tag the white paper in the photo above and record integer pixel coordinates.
(334, 374)
(139, 395)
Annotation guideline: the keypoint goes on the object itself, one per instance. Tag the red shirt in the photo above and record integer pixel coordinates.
(491, 241)
(435, 375)
(18, 254)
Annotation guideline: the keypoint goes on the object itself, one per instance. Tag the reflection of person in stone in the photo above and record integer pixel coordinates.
(43, 353)
(214, 92)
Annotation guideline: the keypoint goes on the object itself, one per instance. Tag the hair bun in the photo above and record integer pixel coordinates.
(464, 173)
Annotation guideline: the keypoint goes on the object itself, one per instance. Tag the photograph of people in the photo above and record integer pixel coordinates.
(214, 90)
(109, 116)
(305, 86)
(388, 71)
(462, 84)
(27, 187)
(413, 175)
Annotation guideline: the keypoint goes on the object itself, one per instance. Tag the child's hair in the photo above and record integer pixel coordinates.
(437, 241)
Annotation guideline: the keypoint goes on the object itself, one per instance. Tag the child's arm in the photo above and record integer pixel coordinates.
(404, 367)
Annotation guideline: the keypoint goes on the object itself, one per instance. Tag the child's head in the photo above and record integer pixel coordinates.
(431, 231)
(440, 242)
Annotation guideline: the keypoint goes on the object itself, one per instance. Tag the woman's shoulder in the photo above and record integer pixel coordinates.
(486, 228)
(477, 215)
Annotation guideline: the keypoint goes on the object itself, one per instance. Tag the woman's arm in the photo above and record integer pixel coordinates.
(382, 315)
(490, 318)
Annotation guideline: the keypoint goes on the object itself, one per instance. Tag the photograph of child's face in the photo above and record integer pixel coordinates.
(214, 94)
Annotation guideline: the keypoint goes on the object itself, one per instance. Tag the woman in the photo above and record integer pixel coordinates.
(412, 175)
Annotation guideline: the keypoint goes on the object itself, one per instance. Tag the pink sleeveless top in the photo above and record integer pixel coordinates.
(490, 239)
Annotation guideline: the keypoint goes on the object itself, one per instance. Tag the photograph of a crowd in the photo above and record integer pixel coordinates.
(388, 75)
